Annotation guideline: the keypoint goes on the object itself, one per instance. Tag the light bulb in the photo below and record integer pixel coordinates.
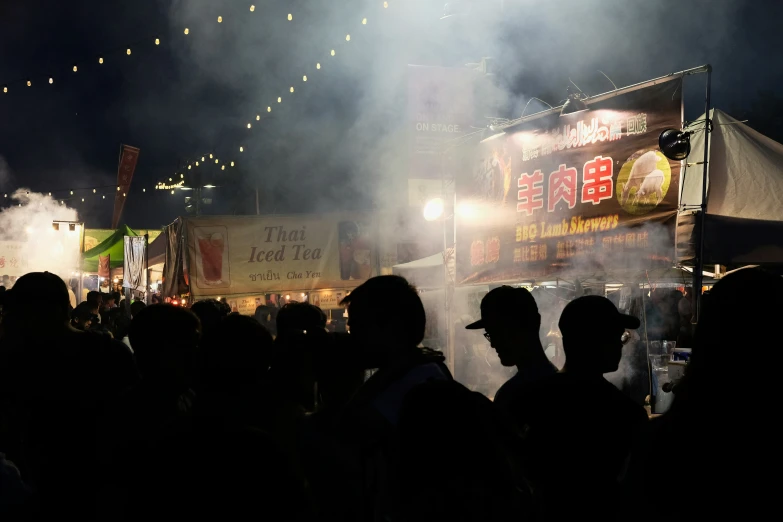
(385, 5)
(216, 161)
(241, 149)
(347, 37)
(258, 117)
(269, 109)
(202, 158)
(103, 197)
(144, 190)
(123, 194)
(118, 189)
(292, 89)
(279, 99)
(128, 51)
(290, 17)
(197, 163)
(82, 200)
(157, 41)
(187, 31)
(318, 66)
(5, 89)
(223, 167)
(100, 60)
(51, 81)
(220, 19)
(72, 193)
(50, 194)
(75, 68)
(364, 21)
(29, 83)
(252, 8)
(170, 179)
(210, 155)
(172, 192)
(189, 167)
(182, 176)
(304, 78)
(249, 126)
(94, 191)
(232, 163)
(333, 53)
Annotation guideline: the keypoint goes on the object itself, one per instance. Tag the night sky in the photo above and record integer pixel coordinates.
(195, 94)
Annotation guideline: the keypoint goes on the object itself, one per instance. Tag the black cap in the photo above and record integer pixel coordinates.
(585, 314)
(505, 305)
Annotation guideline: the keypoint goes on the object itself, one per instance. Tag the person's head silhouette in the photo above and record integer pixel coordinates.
(164, 339)
(386, 318)
(594, 333)
(38, 302)
(510, 319)
(295, 318)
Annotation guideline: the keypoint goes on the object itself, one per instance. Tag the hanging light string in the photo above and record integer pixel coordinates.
(270, 108)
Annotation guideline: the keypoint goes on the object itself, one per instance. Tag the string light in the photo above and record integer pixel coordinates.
(123, 194)
(241, 149)
(157, 41)
(232, 163)
(51, 80)
(172, 192)
(187, 31)
(128, 51)
(72, 193)
(249, 125)
(171, 179)
(292, 88)
(258, 117)
(269, 109)
(197, 163)
(220, 19)
(202, 158)
(222, 167)
(5, 88)
(189, 167)
(347, 37)
(118, 189)
(216, 161)
(304, 78)
(75, 68)
(333, 53)
(29, 83)
(364, 21)
(386, 5)
(252, 8)
(144, 190)
(103, 197)
(290, 17)
(50, 194)
(210, 156)
(182, 176)
(279, 99)
(94, 191)
(318, 66)
(100, 59)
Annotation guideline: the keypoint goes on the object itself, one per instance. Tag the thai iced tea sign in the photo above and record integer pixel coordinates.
(231, 255)
(573, 192)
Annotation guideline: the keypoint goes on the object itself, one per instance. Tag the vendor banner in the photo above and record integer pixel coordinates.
(582, 193)
(129, 156)
(231, 255)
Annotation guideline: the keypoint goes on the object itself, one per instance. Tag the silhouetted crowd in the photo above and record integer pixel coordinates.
(167, 413)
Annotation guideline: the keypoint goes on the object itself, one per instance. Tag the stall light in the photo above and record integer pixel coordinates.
(232, 163)
(51, 80)
(304, 78)
(241, 149)
(433, 209)
(292, 89)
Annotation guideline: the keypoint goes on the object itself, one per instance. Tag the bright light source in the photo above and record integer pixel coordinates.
(182, 176)
(128, 51)
(467, 210)
(216, 161)
(5, 89)
(249, 125)
(210, 156)
(197, 163)
(318, 66)
(241, 149)
(292, 88)
(364, 21)
(304, 78)
(172, 192)
(103, 197)
(385, 5)
(433, 209)
(279, 99)
(209, 186)
(100, 60)
(94, 191)
(290, 17)
(252, 8)
(189, 167)
(75, 68)
(51, 81)
(347, 37)
(157, 41)
(203, 159)
(220, 19)
(118, 188)
(287, 297)
(222, 167)
(72, 193)
(258, 117)
(123, 194)
(232, 163)
(82, 200)
(171, 179)
(333, 53)
(187, 31)
(29, 83)
(269, 109)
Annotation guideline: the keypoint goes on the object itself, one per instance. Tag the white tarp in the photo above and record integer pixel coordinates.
(744, 222)
(745, 171)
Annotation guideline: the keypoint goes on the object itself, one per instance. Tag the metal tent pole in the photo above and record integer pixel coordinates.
(698, 269)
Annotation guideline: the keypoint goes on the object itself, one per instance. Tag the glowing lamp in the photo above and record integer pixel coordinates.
(333, 53)
(222, 167)
(364, 21)
(29, 83)
(304, 78)
(94, 191)
(318, 66)
(269, 109)
(210, 155)
(248, 125)
(5, 88)
(72, 193)
(216, 161)
(202, 158)
(347, 37)
(75, 68)
(182, 176)
(290, 17)
(172, 192)
(279, 99)
(292, 88)
(128, 51)
(100, 60)
(252, 8)
(232, 163)
(187, 31)
(433, 209)
(241, 149)
(675, 144)
(258, 117)
(157, 41)
(220, 19)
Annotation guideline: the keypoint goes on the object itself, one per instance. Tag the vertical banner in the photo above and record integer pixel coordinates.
(134, 276)
(586, 193)
(128, 158)
(104, 265)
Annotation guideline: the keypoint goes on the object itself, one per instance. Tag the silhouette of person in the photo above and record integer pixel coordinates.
(724, 412)
(580, 426)
(57, 385)
(511, 323)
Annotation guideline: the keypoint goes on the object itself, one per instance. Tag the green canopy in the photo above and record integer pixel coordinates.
(113, 246)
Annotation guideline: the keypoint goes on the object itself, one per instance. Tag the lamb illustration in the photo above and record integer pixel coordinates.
(642, 168)
(652, 184)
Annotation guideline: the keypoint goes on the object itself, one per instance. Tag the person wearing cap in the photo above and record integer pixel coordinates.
(580, 426)
(511, 323)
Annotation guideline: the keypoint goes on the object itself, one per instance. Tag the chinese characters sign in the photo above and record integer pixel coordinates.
(584, 191)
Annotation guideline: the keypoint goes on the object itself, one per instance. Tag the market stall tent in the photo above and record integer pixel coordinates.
(112, 246)
(744, 222)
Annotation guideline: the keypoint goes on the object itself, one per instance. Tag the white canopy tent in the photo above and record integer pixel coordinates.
(744, 222)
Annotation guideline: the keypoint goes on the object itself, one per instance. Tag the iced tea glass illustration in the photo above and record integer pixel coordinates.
(212, 257)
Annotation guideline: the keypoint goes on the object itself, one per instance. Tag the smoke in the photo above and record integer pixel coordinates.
(29, 241)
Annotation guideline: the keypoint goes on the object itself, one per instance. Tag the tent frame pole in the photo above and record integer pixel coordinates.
(698, 270)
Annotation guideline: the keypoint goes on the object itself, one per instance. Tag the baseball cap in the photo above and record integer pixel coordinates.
(504, 305)
(591, 312)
